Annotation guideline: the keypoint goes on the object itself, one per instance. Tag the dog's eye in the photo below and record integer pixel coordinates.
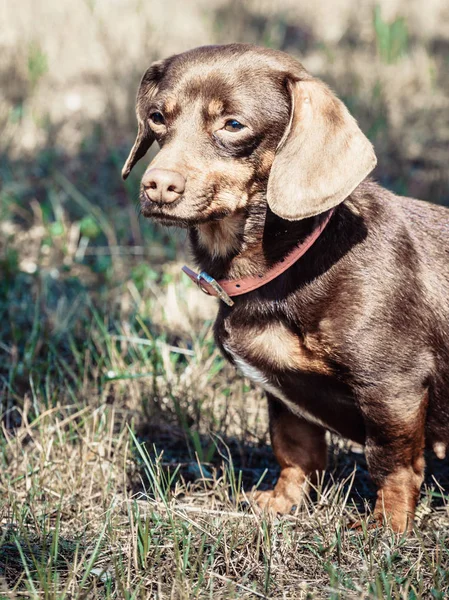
(233, 125)
(157, 118)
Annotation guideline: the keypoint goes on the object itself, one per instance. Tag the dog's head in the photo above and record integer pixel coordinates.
(238, 122)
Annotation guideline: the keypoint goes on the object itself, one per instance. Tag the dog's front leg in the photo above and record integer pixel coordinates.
(394, 449)
(398, 481)
(301, 450)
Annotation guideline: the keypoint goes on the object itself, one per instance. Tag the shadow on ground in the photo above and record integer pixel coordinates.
(25, 555)
(255, 465)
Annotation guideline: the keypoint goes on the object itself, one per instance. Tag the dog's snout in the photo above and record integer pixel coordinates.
(163, 185)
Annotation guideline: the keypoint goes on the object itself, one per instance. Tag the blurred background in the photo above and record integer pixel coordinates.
(69, 70)
(99, 331)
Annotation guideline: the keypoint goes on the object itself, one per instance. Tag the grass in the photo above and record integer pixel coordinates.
(128, 445)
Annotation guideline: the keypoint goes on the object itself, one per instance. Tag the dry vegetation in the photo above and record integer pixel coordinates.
(128, 444)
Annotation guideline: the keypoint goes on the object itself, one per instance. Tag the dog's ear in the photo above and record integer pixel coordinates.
(322, 157)
(147, 90)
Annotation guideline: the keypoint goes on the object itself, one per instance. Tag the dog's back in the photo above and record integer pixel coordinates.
(428, 227)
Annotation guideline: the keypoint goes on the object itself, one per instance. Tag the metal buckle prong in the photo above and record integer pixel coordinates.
(217, 287)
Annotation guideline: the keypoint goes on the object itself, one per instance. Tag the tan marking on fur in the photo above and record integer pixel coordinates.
(170, 104)
(215, 107)
(221, 238)
(353, 207)
(398, 496)
(318, 346)
(266, 161)
(282, 349)
(440, 450)
(249, 265)
(301, 450)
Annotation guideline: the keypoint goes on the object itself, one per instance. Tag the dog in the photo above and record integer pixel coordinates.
(334, 292)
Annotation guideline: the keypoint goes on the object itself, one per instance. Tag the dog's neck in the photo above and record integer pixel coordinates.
(247, 243)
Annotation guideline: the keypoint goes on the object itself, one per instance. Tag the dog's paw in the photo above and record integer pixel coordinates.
(401, 523)
(369, 524)
(273, 502)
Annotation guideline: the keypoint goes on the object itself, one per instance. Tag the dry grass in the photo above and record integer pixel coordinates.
(128, 444)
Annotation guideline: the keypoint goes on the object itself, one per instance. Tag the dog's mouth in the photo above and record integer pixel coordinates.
(179, 213)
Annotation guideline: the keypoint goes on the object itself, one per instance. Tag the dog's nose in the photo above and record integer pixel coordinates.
(163, 186)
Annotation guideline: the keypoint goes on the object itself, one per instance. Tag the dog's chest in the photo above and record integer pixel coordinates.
(272, 354)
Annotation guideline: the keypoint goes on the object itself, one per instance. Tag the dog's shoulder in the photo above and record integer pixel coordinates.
(406, 240)
(379, 204)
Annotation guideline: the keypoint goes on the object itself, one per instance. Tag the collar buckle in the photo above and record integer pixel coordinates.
(203, 276)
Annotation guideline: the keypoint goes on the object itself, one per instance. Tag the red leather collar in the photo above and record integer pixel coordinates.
(226, 288)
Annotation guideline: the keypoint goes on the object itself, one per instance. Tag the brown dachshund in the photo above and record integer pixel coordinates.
(335, 291)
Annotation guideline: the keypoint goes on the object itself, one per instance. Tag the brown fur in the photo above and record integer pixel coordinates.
(354, 337)
(298, 462)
